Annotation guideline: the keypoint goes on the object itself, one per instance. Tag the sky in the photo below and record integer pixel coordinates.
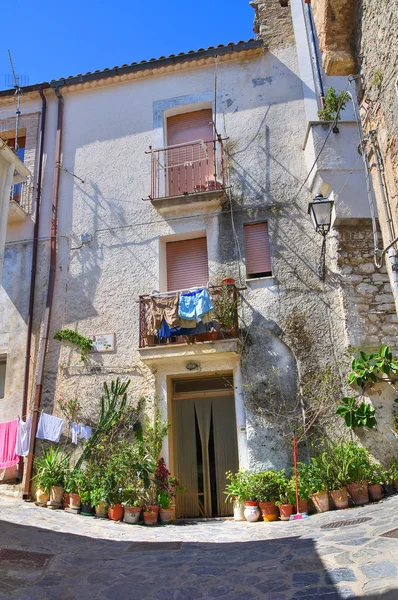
(50, 39)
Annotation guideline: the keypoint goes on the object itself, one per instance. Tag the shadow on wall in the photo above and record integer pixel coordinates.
(288, 567)
(270, 382)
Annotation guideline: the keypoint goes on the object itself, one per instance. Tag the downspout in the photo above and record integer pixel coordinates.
(392, 255)
(318, 75)
(50, 294)
(34, 257)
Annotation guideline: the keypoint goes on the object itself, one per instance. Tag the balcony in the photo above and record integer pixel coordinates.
(221, 334)
(189, 175)
(20, 201)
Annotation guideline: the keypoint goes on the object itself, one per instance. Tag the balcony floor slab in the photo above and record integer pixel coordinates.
(169, 352)
(186, 202)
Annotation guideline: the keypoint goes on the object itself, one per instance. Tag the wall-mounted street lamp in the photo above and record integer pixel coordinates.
(320, 210)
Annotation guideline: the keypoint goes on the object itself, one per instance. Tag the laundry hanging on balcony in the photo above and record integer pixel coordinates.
(164, 308)
(193, 306)
(49, 428)
(23, 436)
(80, 431)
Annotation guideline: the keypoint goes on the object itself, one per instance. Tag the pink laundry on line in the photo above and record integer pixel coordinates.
(8, 438)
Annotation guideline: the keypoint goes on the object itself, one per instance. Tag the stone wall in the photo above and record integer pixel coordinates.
(273, 23)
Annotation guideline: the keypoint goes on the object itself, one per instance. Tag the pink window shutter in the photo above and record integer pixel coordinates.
(187, 264)
(258, 256)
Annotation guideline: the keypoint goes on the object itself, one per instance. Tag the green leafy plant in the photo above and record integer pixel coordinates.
(334, 103)
(359, 464)
(237, 486)
(51, 468)
(287, 493)
(372, 368)
(73, 481)
(164, 500)
(357, 414)
(393, 469)
(224, 306)
(266, 486)
(70, 408)
(85, 344)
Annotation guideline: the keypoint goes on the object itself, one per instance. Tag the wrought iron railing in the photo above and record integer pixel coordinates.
(223, 325)
(190, 168)
(22, 194)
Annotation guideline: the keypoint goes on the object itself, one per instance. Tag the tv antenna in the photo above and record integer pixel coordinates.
(18, 94)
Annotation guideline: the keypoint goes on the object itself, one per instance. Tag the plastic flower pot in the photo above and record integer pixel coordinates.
(74, 501)
(359, 492)
(340, 498)
(42, 496)
(269, 511)
(285, 511)
(303, 506)
(66, 500)
(132, 514)
(239, 508)
(150, 517)
(251, 511)
(87, 510)
(115, 512)
(101, 510)
(321, 501)
(56, 494)
(228, 281)
(166, 515)
(388, 489)
(375, 491)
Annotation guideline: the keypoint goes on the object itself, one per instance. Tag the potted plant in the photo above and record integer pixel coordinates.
(393, 470)
(228, 281)
(150, 516)
(51, 469)
(236, 492)
(287, 498)
(318, 481)
(303, 487)
(375, 477)
(339, 457)
(357, 472)
(166, 487)
(265, 488)
(73, 481)
(115, 506)
(224, 309)
(388, 482)
(165, 511)
(131, 503)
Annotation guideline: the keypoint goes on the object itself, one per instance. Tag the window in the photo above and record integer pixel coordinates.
(258, 258)
(187, 264)
(17, 188)
(3, 362)
(190, 156)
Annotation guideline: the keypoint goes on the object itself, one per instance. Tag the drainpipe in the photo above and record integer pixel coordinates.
(50, 294)
(392, 255)
(34, 257)
(318, 76)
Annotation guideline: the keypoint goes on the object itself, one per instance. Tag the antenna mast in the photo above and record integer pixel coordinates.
(18, 94)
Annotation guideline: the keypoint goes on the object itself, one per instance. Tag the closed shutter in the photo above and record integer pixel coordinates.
(187, 264)
(258, 258)
(190, 127)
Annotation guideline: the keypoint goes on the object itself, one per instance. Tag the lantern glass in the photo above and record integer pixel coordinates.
(321, 214)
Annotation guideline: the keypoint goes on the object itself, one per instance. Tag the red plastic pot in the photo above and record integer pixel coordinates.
(269, 511)
(285, 511)
(359, 492)
(115, 512)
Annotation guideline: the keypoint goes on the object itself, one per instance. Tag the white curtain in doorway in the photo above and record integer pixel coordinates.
(185, 460)
(225, 447)
(203, 414)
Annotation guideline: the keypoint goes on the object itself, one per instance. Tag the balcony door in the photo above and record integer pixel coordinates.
(204, 444)
(190, 157)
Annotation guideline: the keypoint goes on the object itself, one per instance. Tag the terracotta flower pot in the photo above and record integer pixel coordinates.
(269, 511)
(375, 491)
(101, 509)
(228, 281)
(303, 506)
(321, 501)
(166, 515)
(251, 511)
(150, 517)
(74, 501)
(359, 492)
(395, 484)
(153, 507)
(56, 493)
(285, 511)
(115, 512)
(66, 500)
(42, 496)
(132, 514)
(340, 498)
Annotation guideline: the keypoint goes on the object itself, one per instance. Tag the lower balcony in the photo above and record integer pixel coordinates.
(20, 202)
(220, 334)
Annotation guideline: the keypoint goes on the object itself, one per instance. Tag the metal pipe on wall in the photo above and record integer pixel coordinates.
(50, 295)
(314, 52)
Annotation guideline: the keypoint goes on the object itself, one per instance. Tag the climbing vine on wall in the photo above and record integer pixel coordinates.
(85, 344)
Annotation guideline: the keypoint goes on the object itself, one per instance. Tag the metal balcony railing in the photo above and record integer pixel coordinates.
(224, 324)
(22, 194)
(189, 168)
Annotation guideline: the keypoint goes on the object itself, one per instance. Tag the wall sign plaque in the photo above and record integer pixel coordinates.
(104, 342)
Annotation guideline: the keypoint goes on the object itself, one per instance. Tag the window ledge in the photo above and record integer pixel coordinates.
(257, 282)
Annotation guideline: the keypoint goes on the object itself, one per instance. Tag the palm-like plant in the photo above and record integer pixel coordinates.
(51, 468)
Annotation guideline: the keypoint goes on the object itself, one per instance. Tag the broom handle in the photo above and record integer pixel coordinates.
(296, 472)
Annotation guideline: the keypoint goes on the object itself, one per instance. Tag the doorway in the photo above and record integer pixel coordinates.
(204, 444)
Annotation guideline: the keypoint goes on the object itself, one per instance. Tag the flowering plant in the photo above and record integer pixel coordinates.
(70, 408)
(167, 486)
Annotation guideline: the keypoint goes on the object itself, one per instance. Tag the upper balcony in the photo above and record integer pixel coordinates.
(20, 201)
(219, 335)
(189, 175)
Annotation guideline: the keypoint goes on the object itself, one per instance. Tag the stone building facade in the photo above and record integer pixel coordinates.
(113, 231)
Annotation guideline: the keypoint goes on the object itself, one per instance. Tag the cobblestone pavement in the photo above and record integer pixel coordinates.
(104, 560)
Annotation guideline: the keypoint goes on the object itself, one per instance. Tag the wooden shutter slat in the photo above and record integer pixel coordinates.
(258, 256)
(189, 127)
(187, 263)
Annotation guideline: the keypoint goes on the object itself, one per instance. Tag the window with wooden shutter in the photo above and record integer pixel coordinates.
(187, 264)
(258, 257)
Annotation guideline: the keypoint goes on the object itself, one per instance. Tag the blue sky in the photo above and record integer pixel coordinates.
(49, 40)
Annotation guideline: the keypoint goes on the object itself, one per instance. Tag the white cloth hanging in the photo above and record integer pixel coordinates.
(75, 432)
(49, 428)
(23, 436)
(81, 431)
